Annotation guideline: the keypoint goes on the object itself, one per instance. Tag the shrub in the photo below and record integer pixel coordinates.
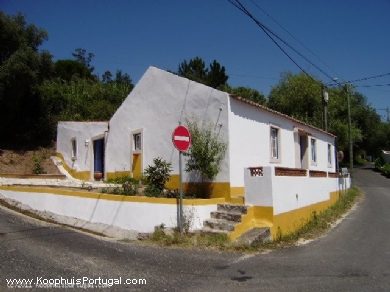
(126, 190)
(386, 169)
(158, 174)
(205, 154)
(153, 191)
(360, 161)
(38, 168)
(379, 163)
(122, 180)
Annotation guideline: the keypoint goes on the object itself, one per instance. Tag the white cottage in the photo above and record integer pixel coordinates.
(141, 130)
(282, 168)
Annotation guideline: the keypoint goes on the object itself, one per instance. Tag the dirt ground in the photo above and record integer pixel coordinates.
(24, 162)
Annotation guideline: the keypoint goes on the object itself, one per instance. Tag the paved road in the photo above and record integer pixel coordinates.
(354, 256)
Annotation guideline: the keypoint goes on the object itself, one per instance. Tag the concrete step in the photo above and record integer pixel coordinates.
(229, 216)
(219, 224)
(256, 235)
(214, 231)
(242, 209)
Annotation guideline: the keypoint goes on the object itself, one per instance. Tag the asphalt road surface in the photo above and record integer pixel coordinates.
(354, 256)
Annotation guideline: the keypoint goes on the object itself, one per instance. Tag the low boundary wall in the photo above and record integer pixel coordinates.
(287, 197)
(140, 214)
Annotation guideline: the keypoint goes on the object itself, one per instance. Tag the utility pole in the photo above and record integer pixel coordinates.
(388, 115)
(349, 134)
(325, 98)
(387, 111)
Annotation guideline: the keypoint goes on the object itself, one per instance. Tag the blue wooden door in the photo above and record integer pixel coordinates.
(98, 150)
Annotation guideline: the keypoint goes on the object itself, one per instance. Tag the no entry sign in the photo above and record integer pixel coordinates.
(181, 138)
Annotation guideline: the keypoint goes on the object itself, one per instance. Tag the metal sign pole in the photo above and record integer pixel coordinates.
(181, 196)
(181, 139)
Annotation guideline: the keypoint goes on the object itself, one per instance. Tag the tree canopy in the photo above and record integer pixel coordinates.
(247, 93)
(300, 96)
(35, 92)
(23, 68)
(196, 70)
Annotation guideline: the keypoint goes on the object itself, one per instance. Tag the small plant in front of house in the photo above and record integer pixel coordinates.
(157, 175)
(205, 154)
(130, 190)
(38, 168)
(122, 180)
(188, 218)
(152, 191)
(175, 194)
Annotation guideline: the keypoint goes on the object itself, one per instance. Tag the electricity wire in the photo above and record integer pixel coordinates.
(274, 20)
(367, 78)
(268, 32)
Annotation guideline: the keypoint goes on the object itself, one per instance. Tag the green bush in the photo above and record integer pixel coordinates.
(158, 174)
(386, 170)
(153, 191)
(38, 168)
(126, 190)
(360, 161)
(379, 163)
(122, 180)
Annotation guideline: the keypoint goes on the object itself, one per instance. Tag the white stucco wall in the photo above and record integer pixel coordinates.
(82, 132)
(156, 105)
(137, 216)
(258, 189)
(306, 191)
(249, 140)
(287, 193)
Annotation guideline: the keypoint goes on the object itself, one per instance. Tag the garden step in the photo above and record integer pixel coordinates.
(256, 235)
(242, 209)
(214, 231)
(219, 224)
(227, 215)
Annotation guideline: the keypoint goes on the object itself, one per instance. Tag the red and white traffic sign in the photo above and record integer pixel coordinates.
(181, 138)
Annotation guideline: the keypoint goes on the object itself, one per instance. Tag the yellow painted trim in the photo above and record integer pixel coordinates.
(118, 174)
(237, 191)
(110, 197)
(85, 175)
(288, 222)
(285, 223)
(137, 165)
(236, 200)
(82, 175)
(263, 215)
(256, 217)
(216, 189)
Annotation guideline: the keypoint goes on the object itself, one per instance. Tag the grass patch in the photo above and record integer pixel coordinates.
(203, 241)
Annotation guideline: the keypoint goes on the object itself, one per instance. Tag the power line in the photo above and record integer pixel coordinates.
(372, 77)
(376, 85)
(295, 38)
(268, 32)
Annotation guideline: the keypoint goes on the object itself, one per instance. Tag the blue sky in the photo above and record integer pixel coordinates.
(349, 38)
